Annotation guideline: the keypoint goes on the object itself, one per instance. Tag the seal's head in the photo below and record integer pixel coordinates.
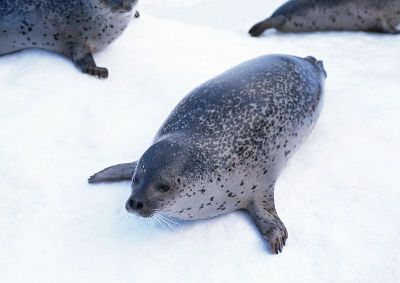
(120, 6)
(163, 175)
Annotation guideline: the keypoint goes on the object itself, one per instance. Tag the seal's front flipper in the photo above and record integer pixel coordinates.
(269, 23)
(84, 60)
(262, 210)
(120, 172)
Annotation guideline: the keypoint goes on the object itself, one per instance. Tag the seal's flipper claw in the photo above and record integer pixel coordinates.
(120, 172)
(99, 72)
(276, 238)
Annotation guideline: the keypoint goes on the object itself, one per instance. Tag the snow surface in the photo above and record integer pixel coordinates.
(339, 196)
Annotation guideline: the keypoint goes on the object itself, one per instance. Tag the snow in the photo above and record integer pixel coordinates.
(339, 196)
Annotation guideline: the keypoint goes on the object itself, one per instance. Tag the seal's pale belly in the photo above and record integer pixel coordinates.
(250, 177)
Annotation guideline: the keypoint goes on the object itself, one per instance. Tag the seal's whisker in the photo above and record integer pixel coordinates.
(158, 220)
(161, 223)
(168, 225)
(170, 220)
(101, 13)
(149, 221)
(107, 20)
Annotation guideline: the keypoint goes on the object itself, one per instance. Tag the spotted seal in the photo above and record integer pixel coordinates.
(225, 144)
(334, 15)
(74, 28)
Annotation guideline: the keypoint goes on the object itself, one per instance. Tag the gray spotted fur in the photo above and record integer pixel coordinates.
(225, 144)
(74, 28)
(333, 15)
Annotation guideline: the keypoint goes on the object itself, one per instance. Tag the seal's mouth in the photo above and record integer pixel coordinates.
(145, 213)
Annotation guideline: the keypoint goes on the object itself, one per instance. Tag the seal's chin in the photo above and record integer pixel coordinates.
(145, 213)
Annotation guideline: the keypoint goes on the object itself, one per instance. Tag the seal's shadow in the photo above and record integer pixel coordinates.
(185, 225)
(129, 226)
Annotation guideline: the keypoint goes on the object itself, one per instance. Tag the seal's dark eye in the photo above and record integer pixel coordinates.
(163, 188)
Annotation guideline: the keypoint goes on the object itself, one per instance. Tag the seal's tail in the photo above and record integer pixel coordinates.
(318, 64)
(259, 28)
(120, 172)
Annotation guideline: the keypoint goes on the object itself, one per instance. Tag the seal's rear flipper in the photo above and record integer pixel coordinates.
(120, 172)
(258, 29)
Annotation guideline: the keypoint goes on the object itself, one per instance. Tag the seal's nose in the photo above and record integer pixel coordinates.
(133, 205)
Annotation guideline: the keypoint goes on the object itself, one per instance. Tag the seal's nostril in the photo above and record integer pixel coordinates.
(131, 203)
(139, 205)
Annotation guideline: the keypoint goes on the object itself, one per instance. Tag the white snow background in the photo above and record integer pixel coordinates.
(339, 196)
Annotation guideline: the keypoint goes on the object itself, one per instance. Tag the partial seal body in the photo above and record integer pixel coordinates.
(74, 28)
(225, 144)
(333, 15)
